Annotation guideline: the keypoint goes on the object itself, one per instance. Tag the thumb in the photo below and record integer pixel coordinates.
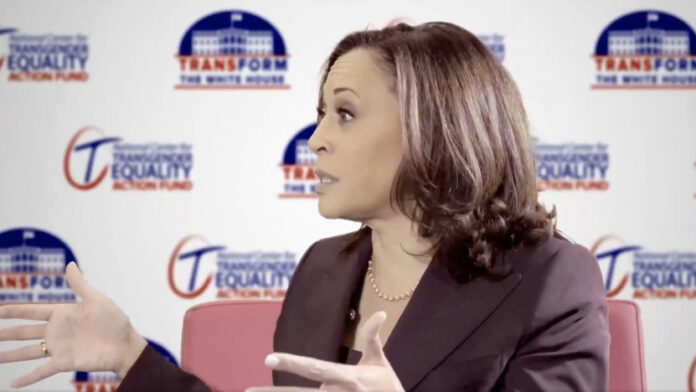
(76, 281)
(368, 337)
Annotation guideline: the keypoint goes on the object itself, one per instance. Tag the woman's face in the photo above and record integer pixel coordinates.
(358, 139)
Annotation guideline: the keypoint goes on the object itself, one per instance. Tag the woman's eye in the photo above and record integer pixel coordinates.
(345, 115)
(320, 114)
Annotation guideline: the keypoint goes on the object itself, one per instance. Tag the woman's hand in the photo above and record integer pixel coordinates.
(92, 335)
(372, 373)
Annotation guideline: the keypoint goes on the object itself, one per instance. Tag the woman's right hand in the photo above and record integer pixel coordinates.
(92, 335)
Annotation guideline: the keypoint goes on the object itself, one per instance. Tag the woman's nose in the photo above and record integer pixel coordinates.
(317, 143)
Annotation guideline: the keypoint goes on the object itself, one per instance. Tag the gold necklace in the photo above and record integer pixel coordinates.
(390, 298)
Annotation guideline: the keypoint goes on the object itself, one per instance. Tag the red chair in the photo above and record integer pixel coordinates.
(626, 356)
(224, 343)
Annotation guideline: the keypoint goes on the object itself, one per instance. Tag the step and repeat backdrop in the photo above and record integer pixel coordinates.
(163, 146)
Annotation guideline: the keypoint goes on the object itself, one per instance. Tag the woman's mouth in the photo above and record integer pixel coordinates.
(325, 179)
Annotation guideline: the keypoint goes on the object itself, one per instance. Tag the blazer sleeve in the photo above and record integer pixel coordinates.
(567, 348)
(152, 372)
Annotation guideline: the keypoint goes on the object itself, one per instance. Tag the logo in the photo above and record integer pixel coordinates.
(645, 274)
(45, 57)
(572, 166)
(91, 157)
(32, 267)
(299, 180)
(646, 49)
(232, 50)
(4, 31)
(495, 43)
(109, 381)
(195, 264)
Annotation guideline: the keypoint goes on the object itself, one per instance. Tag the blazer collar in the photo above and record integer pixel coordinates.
(441, 314)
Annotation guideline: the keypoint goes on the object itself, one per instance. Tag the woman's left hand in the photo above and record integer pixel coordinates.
(372, 373)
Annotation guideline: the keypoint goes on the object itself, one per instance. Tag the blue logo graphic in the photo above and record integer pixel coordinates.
(495, 43)
(133, 166)
(238, 275)
(32, 267)
(232, 49)
(653, 274)
(299, 180)
(646, 49)
(45, 57)
(572, 166)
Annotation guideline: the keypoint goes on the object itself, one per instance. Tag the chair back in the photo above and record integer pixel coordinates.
(626, 356)
(224, 343)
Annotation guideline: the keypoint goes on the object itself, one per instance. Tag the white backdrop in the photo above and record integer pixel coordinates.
(123, 240)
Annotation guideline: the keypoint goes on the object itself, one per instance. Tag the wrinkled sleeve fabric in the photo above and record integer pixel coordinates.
(152, 372)
(567, 344)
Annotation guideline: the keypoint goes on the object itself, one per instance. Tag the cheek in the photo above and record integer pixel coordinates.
(378, 168)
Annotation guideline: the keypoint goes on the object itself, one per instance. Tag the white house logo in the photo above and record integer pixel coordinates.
(646, 49)
(195, 264)
(44, 57)
(109, 381)
(572, 166)
(150, 166)
(495, 42)
(32, 267)
(299, 180)
(232, 50)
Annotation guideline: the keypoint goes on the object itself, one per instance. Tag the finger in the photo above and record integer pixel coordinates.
(281, 389)
(333, 387)
(311, 368)
(41, 372)
(26, 353)
(368, 337)
(28, 312)
(24, 332)
(76, 281)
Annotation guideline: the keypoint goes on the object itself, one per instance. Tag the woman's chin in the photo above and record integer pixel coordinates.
(328, 209)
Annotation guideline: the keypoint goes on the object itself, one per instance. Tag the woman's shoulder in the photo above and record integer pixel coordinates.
(557, 265)
(551, 254)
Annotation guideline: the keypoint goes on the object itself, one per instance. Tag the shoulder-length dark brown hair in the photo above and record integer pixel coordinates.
(468, 175)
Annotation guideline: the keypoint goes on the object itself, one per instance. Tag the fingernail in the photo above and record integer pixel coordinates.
(271, 361)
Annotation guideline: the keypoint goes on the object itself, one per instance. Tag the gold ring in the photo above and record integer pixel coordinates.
(43, 347)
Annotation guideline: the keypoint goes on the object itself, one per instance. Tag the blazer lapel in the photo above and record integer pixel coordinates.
(315, 313)
(442, 314)
(343, 275)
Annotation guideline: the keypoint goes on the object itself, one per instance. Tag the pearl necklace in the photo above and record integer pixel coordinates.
(390, 298)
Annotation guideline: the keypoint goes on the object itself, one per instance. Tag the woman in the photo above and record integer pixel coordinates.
(421, 137)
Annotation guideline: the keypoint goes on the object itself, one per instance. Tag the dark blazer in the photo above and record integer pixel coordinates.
(538, 322)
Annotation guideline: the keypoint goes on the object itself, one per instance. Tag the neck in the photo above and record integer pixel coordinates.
(396, 242)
